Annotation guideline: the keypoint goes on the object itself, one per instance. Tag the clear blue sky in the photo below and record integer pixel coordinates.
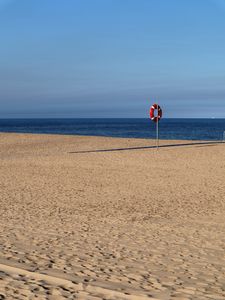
(112, 58)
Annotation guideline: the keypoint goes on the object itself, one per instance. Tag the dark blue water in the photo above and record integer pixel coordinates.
(188, 129)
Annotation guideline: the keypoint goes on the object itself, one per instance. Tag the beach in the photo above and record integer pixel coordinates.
(132, 222)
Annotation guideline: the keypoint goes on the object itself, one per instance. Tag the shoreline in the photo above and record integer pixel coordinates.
(106, 136)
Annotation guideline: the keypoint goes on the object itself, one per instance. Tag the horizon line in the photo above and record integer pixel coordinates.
(81, 118)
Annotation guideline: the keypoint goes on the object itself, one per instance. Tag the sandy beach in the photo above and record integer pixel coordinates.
(127, 223)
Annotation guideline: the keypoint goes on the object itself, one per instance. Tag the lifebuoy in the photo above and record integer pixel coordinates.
(152, 113)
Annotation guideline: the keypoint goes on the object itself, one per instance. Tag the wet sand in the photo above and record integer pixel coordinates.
(133, 223)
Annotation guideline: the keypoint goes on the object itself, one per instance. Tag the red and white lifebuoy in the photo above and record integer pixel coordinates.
(152, 113)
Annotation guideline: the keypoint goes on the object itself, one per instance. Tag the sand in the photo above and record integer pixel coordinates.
(129, 224)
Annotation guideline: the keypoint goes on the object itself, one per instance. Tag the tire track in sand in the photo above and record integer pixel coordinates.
(60, 282)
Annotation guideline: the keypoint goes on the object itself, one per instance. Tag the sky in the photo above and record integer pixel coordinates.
(112, 58)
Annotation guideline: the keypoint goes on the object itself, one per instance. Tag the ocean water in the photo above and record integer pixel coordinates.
(182, 129)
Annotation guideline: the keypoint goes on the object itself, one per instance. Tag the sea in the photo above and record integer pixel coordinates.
(170, 129)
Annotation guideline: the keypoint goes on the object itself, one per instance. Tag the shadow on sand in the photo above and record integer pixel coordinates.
(197, 144)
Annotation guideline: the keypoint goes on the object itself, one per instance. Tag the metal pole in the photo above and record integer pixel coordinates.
(157, 128)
